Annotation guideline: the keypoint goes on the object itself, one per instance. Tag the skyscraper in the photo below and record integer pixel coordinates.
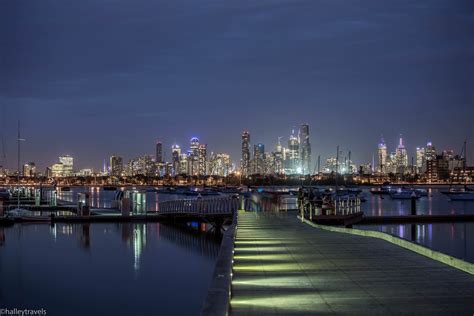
(278, 158)
(220, 165)
(202, 158)
(420, 160)
(258, 159)
(29, 169)
(176, 154)
(116, 166)
(68, 164)
(184, 164)
(305, 149)
(245, 163)
(294, 154)
(159, 152)
(382, 155)
(430, 151)
(401, 157)
(193, 157)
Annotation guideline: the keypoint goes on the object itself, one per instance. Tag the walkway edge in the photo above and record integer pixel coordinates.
(432, 254)
(217, 302)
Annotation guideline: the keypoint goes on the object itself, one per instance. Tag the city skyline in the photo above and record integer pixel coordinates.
(295, 158)
(167, 151)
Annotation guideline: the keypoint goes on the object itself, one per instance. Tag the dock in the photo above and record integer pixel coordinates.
(282, 266)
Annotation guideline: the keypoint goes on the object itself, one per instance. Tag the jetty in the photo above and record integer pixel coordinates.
(283, 266)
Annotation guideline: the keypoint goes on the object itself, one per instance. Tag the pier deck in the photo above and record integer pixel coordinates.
(282, 266)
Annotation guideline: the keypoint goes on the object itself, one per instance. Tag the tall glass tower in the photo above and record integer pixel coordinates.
(305, 149)
(382, 155)
(159, 152)
(245, 163)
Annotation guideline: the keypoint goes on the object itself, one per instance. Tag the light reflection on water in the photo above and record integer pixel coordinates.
(434, 204)
(110, 269)
(455, 239)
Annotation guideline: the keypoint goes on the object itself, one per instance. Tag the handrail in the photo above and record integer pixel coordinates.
(340, 206)
(199, 206)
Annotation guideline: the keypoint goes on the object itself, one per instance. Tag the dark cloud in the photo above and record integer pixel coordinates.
(96, 77)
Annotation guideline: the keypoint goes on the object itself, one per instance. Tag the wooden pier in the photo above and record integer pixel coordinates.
(284, 267)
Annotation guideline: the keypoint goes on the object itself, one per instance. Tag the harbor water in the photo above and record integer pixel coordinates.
(106, 269)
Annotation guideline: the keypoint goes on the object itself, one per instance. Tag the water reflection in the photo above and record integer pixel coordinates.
(2, 236)
(85, 236)
(139, 243)
(104, 257)
(455, 239)
(191, 239)
(434, 204)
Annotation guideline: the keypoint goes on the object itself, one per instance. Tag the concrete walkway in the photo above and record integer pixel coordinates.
(282, 266)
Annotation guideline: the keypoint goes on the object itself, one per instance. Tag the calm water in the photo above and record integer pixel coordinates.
(435, 203)
(455, 239)
(124, 269)
(106, 269)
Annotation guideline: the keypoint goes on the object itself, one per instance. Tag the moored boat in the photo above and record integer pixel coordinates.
(24, 215)
(461, 196)
(383, 190)
(404, 194)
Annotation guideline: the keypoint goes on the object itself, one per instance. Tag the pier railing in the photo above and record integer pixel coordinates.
(217, 206)
(339, 206)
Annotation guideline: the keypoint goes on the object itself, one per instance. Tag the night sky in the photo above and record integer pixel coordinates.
(95, 78)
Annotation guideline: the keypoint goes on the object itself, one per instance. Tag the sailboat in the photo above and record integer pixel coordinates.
(18, 213)
(463, 194)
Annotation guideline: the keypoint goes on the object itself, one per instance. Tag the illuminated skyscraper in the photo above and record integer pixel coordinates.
(194, 146)
(258, 159)
(430, 152)
(159, 152)
(183, 164)
(220, 165)
(420, 160)
(29, 169)
(401, 157)
(382, 155)
(202, 158)
(176, 153)
(193, 157)
(116, 166)
(68, 164)
(305, 149)
(245, 162)
(278, 158)
(294, 155)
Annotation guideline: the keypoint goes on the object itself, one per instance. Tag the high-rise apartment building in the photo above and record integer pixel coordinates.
(116, 166)
(305, 149)
(175, 156)
(245, 162)
(294, 155)
(159, 152)
(382, 156)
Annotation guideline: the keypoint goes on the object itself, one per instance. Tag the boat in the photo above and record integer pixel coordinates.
(229, 190)
(422, 192)
(4, 193)
(463, 194)
(24, 215)
(404, 194)
(383, 190)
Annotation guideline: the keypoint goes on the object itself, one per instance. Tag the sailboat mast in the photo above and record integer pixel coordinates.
(337, 164)
(18, 170)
